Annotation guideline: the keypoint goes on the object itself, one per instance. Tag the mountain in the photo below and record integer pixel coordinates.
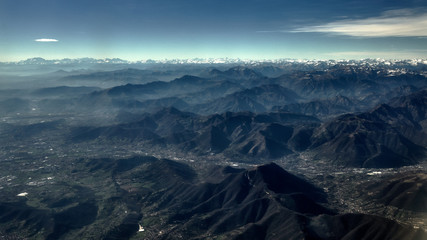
(415, 104)
(236, 202)
(403, 191)
(323, 108)
(259, 203)
(357, 141)
(349, 81)
(149, 105)
(238, 72)
(384, 137)
(257, 99)
(158, 89)
(105, 198)
(230, 103)
(244, 76)
(246, 134)
(42, 61)
(222, 88)
(325, 84)
(75, 156)
(280, 63)
(342, 89)
(370, 100)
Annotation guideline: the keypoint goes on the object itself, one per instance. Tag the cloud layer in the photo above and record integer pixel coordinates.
(396, 23)
(46, 40)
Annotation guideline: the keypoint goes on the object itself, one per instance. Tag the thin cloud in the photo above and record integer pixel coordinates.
(46, 40)
(396, 23)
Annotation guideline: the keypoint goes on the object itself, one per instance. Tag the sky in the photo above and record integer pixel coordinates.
(181, 29)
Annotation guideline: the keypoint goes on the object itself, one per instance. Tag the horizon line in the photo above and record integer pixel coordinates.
(215, 58)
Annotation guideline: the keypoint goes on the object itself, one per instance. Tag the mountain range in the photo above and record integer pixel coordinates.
(213, 149)
(263, 202)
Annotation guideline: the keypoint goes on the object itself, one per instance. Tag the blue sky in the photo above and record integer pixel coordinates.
(255, 29)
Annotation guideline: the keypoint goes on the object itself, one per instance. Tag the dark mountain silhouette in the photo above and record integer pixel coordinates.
(240, 199)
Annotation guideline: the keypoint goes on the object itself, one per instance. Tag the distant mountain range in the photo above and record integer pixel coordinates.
(320, 93)
(371, 118)
(322, 63)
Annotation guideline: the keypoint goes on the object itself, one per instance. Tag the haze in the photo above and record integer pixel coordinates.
(270, 29)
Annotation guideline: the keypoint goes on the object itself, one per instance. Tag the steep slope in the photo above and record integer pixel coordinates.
(358, 141)
(247, 134)
(265, 202)
(105, 198)
(384, 137)
(236, 200)
(406, 192)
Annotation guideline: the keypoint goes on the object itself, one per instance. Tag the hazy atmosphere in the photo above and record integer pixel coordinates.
(252, 29)
(213, 119)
